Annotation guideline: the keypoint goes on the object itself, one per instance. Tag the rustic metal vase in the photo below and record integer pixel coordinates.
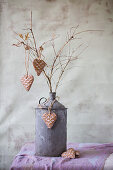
(51, 142)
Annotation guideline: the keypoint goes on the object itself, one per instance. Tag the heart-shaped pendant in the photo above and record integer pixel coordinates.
(38, 66)
(27, 81)
(70, 153)
(49, 119)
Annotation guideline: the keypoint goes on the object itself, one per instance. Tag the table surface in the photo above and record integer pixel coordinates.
(92, 157)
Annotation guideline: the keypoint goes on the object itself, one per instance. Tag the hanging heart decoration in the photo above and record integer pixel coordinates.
(27, 81)
(70, 153)
(49, 119)
(39, 65)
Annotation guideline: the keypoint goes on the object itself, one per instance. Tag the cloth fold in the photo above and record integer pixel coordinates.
(92, 157)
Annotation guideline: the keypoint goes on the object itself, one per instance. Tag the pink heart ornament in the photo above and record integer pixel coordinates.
(27, 81)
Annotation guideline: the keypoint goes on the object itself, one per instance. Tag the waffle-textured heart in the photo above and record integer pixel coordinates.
(38, 66)
(70, 153)
(49, 119)
(27, 81)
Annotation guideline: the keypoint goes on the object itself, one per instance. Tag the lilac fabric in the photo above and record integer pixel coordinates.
(92, 157)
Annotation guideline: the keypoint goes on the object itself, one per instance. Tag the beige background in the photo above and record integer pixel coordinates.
(87, 90)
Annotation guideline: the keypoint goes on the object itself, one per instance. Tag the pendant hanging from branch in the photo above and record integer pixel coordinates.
(39, 66)
(27, 80)
(57, 64)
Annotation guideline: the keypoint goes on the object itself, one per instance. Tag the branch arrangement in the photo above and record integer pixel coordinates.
(35, 54)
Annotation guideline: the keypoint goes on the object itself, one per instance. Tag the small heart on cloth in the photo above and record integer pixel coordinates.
(38, 66)
(70, 153)
(27, 81)
(49, 119)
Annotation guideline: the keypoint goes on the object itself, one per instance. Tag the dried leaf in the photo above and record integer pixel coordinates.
(26, 36)
(21, 36)
(41, 48)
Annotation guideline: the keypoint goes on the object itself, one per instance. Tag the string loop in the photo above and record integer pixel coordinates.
(51, 105)
(42, 99)
(27, 62)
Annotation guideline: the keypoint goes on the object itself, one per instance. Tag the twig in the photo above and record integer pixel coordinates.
(58, 54)
(61, 75)
(87, 31)
(48, 80)
(62, 72)
(46, 76)
(33, 36)
(59, 62)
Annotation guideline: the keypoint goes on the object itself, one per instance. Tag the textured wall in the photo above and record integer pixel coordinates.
(87, 90)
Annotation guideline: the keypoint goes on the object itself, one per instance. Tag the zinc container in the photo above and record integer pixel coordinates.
(51, 142)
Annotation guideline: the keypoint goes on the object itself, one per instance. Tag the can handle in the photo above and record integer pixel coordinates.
(42, 99)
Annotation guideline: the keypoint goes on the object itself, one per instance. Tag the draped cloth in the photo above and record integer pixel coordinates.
(92, 157)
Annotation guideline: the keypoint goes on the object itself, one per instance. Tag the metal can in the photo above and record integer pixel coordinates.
(51, 142)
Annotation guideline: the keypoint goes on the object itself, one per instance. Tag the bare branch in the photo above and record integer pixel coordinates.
(62, 72)
(60, 62)
(46, 76)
